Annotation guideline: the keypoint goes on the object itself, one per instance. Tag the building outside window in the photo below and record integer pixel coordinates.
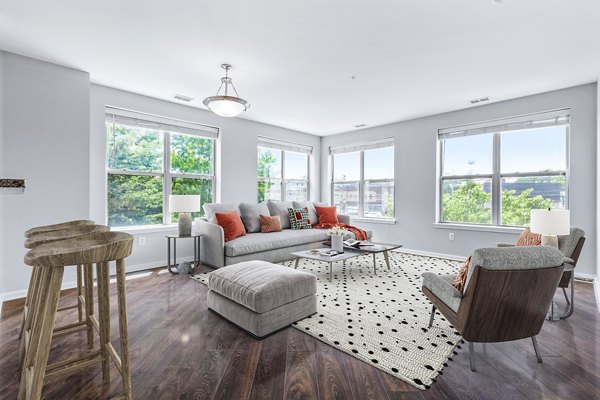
(150, 157)
(363, 179)
(283, 171)
(494, 173)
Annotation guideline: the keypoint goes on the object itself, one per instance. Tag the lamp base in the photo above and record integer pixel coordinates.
(550, 240)
(185, 224)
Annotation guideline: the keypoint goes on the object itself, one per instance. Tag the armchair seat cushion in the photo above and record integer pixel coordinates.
(441, 286)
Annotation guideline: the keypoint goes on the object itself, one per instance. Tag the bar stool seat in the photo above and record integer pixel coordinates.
(55, 227)
(61, 234)
(50, 259)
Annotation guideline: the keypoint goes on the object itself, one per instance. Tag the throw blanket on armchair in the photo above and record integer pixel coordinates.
(359, 233)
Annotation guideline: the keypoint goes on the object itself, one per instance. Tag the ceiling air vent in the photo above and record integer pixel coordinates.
(360, 125)
(480, 100)
(182, 97)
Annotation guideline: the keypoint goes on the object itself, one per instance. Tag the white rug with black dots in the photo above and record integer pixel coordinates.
(381, 319)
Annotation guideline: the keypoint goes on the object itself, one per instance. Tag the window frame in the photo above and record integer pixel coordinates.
(166, 175)
(497, 176)
(283, 179)
(361, 148)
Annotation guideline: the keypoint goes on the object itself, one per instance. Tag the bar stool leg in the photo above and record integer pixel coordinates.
(27, 306)
(36, 358)
(79, 292)
(88, 277)
(123, 329)
(34, 297)
(104, 317)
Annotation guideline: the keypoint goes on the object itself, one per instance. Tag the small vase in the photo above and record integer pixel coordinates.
(337, 243)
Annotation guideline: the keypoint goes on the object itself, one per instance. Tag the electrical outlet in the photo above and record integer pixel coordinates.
(451, 236)
(142, 240)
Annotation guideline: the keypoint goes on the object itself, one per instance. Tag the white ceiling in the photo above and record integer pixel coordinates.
(293, 59)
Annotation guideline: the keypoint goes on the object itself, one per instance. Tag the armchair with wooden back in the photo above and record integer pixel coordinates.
(507, 294)
(570, 245)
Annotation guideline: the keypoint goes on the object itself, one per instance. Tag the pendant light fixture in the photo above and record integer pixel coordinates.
(224, 104)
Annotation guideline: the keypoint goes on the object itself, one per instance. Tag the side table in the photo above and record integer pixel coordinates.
(173, 238)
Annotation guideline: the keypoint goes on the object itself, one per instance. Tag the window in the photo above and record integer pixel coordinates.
(150, 157)
(495, 173)
(282, 171)
(363, 179)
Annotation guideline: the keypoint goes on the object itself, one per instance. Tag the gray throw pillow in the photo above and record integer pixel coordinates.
(211, 208)
(281, 209)
(251, 215)
(312, 214)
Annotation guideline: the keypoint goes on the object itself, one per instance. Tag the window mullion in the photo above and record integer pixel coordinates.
(167, 178)
(361, 185)
(283, 185)
(496, 184)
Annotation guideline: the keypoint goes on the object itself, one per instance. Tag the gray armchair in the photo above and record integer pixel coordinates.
(570, 245)
(506, 297)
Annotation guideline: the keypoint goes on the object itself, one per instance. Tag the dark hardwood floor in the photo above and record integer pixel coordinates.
(180, 350)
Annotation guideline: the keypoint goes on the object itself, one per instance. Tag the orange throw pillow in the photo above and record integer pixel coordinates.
(461, 278)
(529, 239)
(270, 224)
(327, 215)
(231, 223)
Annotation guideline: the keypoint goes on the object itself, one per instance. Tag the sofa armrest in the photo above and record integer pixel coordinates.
(344, 219)
(212, 251)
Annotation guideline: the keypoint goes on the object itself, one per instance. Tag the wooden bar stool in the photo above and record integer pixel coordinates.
(50, 233)
(51, 258)
(82, 275)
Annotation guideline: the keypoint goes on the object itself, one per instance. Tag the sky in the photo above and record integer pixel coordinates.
(532, 150)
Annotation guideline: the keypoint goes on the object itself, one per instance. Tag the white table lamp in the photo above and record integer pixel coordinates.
(184, 205)
(550, 223)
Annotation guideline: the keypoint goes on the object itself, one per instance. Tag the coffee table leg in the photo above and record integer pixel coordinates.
(374, 264)
(387, 259)
(297, 262)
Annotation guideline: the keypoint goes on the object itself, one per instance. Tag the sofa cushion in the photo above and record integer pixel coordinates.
(258, 242)
(270, 224)
(260, 285)
(281, 208)
(299, 218)
(211, 208)
(251, 215)
(232, 225)
(327, 215)
(310, 206)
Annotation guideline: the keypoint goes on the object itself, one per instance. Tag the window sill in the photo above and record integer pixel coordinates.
(478, 228)
(145, 229)
(373, 220)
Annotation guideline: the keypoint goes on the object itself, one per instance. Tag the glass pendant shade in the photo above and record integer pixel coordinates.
(224, 104)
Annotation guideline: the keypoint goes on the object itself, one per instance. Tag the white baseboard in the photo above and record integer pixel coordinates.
(578, 275)
(430, 254)
(597, 290)
(19, 294)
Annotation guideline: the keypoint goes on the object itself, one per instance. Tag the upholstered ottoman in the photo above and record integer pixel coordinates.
(261, 297)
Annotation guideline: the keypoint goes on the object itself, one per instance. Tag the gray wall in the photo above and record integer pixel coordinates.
(236, 158)
(46, 141)
(415, 173)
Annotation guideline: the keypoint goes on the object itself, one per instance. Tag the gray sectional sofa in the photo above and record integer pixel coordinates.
(272, 247)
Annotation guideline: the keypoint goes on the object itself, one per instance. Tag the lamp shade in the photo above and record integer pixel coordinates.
(550, 222)
(184, 203)
(226, 106)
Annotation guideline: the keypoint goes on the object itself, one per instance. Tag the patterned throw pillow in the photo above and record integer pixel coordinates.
(270, 224)
(461, 278)
(529, 239)
(299, 218)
